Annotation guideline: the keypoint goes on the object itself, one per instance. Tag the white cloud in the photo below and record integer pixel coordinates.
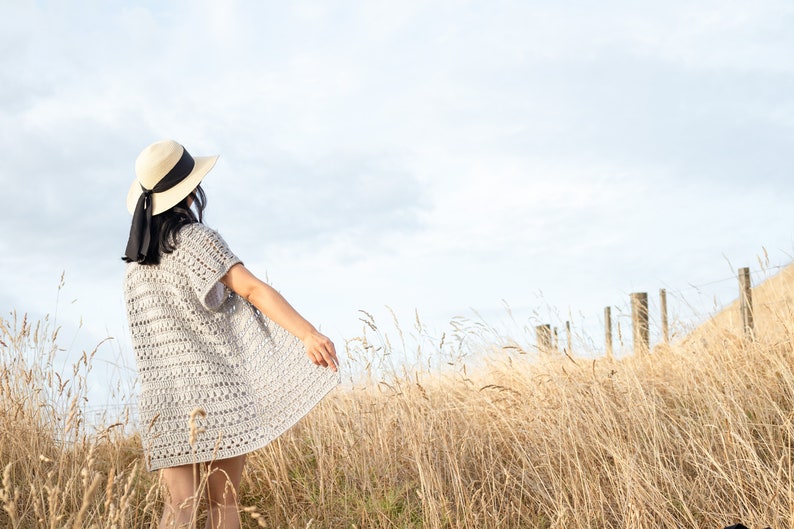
(430, 154)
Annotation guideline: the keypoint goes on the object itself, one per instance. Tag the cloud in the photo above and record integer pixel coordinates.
(430, 154)
(270, 200)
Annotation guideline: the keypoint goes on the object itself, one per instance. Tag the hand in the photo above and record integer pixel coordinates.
(321, 350)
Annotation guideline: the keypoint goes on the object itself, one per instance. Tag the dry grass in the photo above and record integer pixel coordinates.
(687, 436)
(773, 308)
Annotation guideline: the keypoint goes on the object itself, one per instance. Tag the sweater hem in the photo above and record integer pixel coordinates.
(222, 454)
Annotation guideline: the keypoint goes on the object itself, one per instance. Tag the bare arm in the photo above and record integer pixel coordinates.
(262, 296)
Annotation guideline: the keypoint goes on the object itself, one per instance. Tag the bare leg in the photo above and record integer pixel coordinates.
(223, 483)
(182, 483)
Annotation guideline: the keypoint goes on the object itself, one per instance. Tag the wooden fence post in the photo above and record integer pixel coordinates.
(663, 310)
(568, 337)
(639, 322)
(543, 336)
(608, 330)
(746, 302)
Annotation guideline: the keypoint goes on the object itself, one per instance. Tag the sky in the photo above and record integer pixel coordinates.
(448, 158)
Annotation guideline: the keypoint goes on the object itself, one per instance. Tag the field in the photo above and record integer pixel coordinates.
(697, 434)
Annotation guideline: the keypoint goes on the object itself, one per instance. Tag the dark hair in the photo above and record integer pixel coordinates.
(167, 224)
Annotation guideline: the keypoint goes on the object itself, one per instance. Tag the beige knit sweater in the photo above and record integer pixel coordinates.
(204, 352)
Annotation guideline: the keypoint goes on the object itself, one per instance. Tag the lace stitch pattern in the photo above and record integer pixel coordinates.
(200, 346)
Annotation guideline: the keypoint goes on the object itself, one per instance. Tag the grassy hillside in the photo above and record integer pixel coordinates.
(773, 311)
(695, 435)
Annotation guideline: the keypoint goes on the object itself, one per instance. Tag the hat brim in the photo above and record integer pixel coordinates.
(167, 199)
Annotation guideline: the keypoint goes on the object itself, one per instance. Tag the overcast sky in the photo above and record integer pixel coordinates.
(444, 156)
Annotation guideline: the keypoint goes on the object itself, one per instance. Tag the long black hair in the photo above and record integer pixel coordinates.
(167, 224)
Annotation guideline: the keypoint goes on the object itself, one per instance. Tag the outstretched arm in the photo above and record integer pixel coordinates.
(272, 304)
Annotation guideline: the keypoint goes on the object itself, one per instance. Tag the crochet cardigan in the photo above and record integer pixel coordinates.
(217, 378)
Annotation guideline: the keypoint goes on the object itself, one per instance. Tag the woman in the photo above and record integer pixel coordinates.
(225, 363)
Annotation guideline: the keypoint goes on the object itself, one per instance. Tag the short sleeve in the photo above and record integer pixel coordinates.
(208, 259)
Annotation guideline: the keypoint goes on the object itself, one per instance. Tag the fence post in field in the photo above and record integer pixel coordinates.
(543, 336)
(746, 301)
(639, 322)
(663, 310)
(608, 330)
(568, 337)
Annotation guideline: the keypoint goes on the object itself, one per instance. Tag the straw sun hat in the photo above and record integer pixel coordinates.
(165, 174)
(162, 163)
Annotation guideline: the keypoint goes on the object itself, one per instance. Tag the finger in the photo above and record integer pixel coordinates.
(315, 358)
(330, 359)
(321, 358)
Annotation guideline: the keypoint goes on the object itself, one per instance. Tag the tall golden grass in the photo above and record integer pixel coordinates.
(697, 434)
